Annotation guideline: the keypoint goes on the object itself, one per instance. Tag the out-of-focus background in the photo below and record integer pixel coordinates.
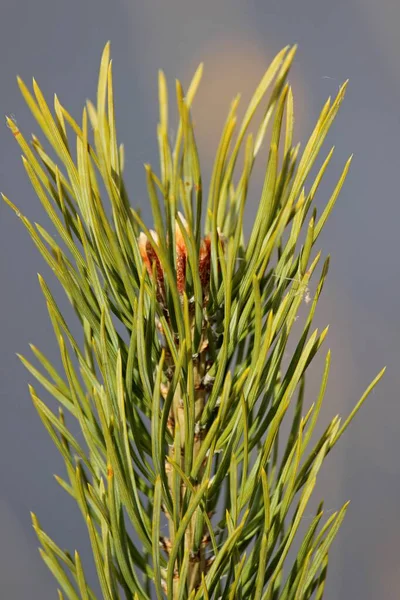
(60, 43)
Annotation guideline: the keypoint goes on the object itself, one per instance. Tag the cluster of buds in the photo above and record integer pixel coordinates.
(151, 260)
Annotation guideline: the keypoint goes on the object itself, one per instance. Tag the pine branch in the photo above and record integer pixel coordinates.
(178, 381)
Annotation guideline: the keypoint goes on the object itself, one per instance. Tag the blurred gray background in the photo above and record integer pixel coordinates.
(60, 43)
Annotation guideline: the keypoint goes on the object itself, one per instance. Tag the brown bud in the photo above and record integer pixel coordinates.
(150, 258)
(181, 255)
(204, 263)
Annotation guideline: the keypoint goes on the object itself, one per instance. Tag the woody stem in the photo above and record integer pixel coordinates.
(194, 546)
